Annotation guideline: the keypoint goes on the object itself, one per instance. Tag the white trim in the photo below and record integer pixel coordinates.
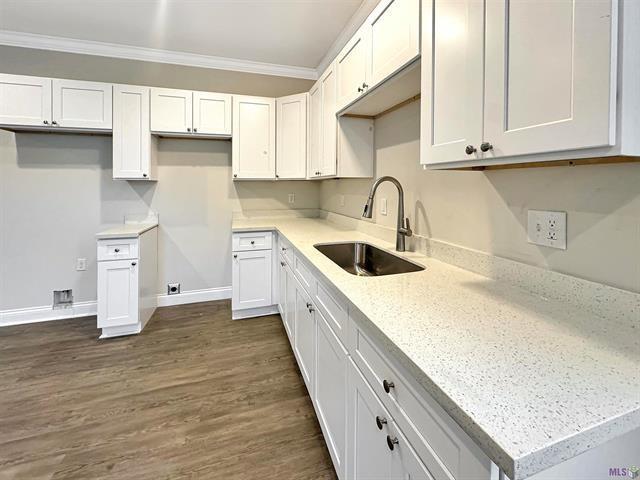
(254, 312)
(195, 296)
(352, 26)
(103, 49)
(21, 316)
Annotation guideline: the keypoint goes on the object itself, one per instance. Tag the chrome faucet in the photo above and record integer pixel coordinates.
(404, 230)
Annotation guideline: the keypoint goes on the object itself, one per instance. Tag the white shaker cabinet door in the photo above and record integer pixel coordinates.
(290, 304)
(394, 37)
(254, 137)
(131, 133)
(452, 80)
(212, 113)
(251, 272)
(329, 158)
(331, 391)
(291, 139)
(314, 153)
(117, 293)
(78, 104)
(550, 75)
(351, 68)
(25, 100)
(304, 341)
(171, 110)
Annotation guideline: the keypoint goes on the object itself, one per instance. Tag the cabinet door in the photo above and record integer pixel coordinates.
(452, 80)
(212, 113)
(368, 454)
(282, 289)
(79, 104)
(254, 137)
(328, 164)
(291, 140)
(331, 391)
(117, 293)
(394, 37)
(171, 110)
(251, 274)
(131, 132)
(304, 342)
(290, 304)
(550, 75)
(25, 100)
(406, 464)
(352, 67)
(315, 130)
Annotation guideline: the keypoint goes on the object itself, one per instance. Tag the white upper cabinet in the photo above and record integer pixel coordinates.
(78, 104)
(452, 80)
(314, 154)
(133, 146)
(291, 140)
(212, 113)
(254, 137)
(171, 110)
(352, 68)
(328, 162)
(25, 100)
(550, 75)
(394, 37)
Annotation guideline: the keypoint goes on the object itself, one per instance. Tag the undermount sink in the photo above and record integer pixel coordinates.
(365, 260)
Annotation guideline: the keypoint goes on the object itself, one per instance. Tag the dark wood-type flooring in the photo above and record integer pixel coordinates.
(196, 395)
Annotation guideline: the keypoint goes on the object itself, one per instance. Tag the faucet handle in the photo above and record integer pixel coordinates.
(407, 229)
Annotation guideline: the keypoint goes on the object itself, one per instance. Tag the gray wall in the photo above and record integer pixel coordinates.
(488, 211)
(57, 191)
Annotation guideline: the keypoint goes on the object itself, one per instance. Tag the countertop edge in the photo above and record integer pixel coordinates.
(107, 235)
(516, 468)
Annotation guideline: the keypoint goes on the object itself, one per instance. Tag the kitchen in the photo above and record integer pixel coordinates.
(513, 351)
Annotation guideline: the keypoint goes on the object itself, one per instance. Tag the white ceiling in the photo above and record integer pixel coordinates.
(294, 33)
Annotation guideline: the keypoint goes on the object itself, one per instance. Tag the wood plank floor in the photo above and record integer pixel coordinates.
(196, 395)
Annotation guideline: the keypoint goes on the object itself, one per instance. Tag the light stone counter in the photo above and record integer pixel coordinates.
(126, 230)
(532, 381)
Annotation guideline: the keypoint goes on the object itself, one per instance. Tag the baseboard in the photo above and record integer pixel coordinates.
(254, 312)
(22, 316)
(194, 296)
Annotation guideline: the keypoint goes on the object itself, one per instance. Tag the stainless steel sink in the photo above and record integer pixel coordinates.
(365, 260)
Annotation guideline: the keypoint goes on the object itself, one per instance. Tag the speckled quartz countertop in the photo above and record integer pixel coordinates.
(126, 230)
(532, 381)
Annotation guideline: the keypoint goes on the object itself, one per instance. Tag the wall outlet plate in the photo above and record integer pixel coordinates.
(81, 264)
(173, 288)
(383, 206)
(292, 198)
(548, 229)
(342, 200)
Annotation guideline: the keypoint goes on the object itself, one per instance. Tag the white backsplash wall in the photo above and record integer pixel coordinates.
(488, 211)
(57, 192)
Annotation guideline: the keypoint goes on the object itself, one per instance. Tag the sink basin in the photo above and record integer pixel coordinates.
(365, 260)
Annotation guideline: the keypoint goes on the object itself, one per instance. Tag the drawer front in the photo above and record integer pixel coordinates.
(304, 275)
(333, 309)
(117, 249)
(441, 444)
(243, 242)
(285, 249)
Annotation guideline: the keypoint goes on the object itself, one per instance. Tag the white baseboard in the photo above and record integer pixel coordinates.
(254, 312)
(195, 296)
(22, 316)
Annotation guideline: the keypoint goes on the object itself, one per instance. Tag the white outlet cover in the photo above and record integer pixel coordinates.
(292, 198)
(547, 228)
(383, 206)
(81, 264)
(342, 200)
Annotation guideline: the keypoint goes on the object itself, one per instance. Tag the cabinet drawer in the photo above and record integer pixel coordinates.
(304, 275)
(117, 249)
(444, 448)
(286, 251)
(251, 241)
(333, 309)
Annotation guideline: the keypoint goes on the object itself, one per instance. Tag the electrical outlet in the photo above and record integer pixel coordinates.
(342, 200)
(292, 198)
(81, 264)
(383, 206)
(173, 289)
(548, 229)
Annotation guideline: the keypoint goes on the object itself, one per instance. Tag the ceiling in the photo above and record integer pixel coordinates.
(296, 33)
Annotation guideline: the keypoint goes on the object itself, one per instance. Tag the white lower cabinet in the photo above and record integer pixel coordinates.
(330, 391)
(251, 273)
(127, 277)
(304, 340)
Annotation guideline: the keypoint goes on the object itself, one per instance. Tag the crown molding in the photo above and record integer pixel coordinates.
(354, 23)
(88, 47)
